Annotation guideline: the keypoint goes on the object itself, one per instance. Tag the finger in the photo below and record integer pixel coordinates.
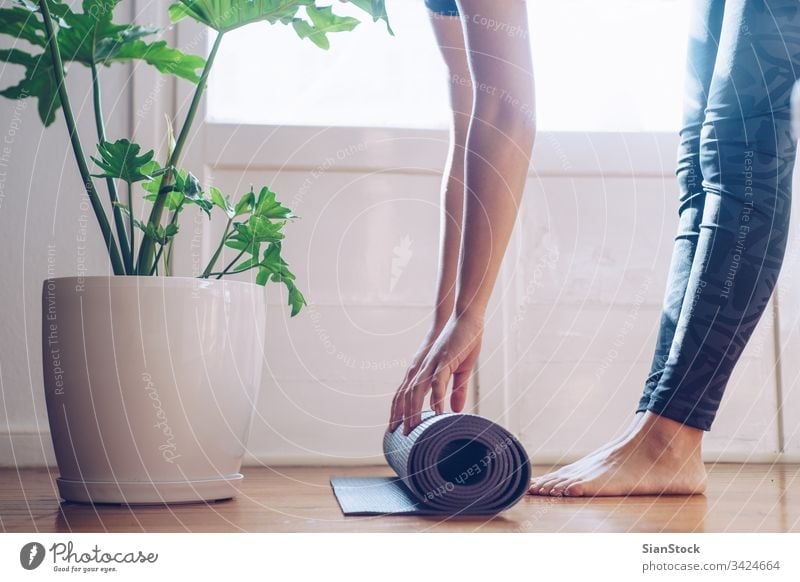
(437, 381)
(396, 413)
(460, 387)
(439, 389)
(407, 408)
(415, 397)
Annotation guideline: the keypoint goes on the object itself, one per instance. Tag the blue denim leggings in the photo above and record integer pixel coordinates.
(445, 7)
(735, 163)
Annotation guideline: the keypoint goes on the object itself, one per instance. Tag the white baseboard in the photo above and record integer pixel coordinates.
(30, 449)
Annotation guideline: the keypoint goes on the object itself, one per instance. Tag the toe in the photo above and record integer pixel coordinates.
(558, 488)
(537, 482)
(547, 486)
(573, 489)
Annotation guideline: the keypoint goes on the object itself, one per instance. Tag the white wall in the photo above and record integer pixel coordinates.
(572, 328)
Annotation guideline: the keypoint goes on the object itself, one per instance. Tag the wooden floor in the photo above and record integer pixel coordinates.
(741, 498)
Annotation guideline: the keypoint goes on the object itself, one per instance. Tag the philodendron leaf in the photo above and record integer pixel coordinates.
(323, 21)
(225, 15)
(90, 38)
(193, 192)
(21, 23)
(121, 160)
(273, 267)
(164, 58)
(268, 207)
(38, 81)
(265, 220)
(375, 8)
(158, 233)
(221, 201)
(246, 204)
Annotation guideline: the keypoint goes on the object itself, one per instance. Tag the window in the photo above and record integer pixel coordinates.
(615, 65)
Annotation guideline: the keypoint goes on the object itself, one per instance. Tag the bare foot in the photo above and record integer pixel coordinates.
(576, 467)
(660, 457)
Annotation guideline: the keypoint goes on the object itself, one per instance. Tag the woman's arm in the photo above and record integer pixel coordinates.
(450, 38)
(499, 143)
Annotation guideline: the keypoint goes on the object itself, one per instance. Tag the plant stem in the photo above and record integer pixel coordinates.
(173, 220)
(97, 206)
(119, 221)
(231, 264)
(215, 256)
(147, 249)
(154, 270)
(131, 224)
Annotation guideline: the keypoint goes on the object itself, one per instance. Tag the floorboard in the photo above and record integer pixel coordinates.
(740, 498)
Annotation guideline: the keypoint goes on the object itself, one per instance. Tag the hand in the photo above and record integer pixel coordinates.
(452, 354)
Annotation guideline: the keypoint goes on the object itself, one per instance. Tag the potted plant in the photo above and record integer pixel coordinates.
(151, 379)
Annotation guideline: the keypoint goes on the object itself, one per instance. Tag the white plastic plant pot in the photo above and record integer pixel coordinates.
(151, 385)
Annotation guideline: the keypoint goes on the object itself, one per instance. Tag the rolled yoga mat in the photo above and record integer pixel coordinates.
(452, 464)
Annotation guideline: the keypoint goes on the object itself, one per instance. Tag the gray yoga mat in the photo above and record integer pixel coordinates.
(452, 464)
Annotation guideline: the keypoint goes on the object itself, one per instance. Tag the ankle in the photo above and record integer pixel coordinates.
(670, 437)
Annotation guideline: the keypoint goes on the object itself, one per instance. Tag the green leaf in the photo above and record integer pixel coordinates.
(193, 192)
(239, 244)
(274, 267)
(323, 21)
(264, 230)
(296, 299)
(158, 233)
(121, 160)
(226, 15)
(39, 81)
(375, 8)
(21, 23)
(171, 230)
(262, 277)
(164, 58)
(246, 265)
(268, 207)
(246, 204)
(222, 202)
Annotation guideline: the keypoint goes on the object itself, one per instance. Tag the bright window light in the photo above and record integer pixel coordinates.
(615, 65)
